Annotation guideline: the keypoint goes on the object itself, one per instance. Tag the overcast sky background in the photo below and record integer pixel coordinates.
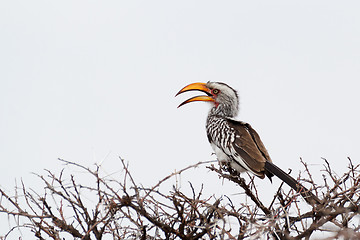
(88, 81)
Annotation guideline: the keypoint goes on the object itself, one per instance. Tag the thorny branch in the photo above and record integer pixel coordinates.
(121, 208)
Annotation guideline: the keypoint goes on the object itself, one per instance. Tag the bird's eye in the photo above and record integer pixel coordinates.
(215, 91)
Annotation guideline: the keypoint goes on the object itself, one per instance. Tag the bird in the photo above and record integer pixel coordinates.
(235, 142)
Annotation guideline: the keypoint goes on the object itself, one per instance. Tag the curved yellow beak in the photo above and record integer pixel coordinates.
(200, 87)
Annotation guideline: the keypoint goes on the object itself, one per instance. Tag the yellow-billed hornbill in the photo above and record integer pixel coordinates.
(236, 142)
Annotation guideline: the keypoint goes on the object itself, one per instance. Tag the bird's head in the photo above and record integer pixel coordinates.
(224, 99)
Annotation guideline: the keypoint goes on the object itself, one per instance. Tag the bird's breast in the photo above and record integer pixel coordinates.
(221, 156)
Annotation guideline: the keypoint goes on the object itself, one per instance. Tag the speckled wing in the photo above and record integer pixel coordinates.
(249, 147)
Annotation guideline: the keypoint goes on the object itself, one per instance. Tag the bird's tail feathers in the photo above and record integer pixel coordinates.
(305, 193)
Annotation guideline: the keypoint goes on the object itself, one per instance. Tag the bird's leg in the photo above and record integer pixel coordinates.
(226, 166)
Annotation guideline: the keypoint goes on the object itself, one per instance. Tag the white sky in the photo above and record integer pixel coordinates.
(89, 81)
